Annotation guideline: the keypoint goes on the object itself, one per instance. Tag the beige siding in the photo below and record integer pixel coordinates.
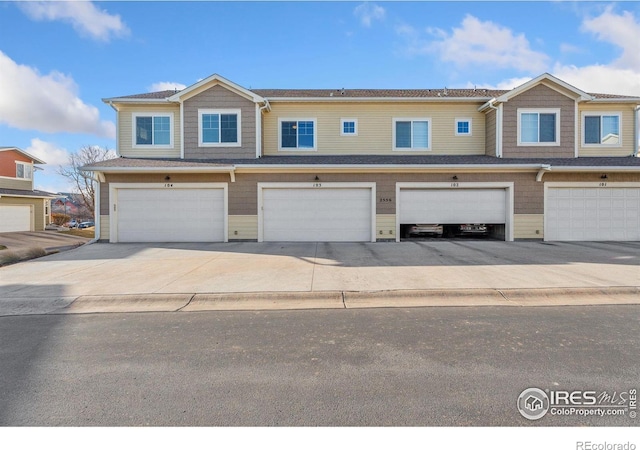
(219, 97)
(243, 227)
(539, 96)
(528, 226)
(385, 226)
(627, 130)
(125, 132)
(15, 183)
(375, 127)
(104, 228)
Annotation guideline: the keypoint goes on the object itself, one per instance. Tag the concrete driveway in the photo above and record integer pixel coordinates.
(169, 277)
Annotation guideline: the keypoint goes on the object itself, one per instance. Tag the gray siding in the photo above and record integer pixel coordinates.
(539, 96)
(219, 97)
(490, 139)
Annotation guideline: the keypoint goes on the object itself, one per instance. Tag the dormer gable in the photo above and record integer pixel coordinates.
(208, 83)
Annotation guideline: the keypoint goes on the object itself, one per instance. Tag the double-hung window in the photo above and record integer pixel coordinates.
(297, 134)
(219, 128)
(153, 130)
(411, 134)
(538, 127)
(24, 171)
(601, 129)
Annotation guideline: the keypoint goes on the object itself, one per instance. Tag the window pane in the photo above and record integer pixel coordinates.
(19, 170)
(610, 130)
(27, 171)
(229, 127)
(592, 129)
(547, 127)
(161, 132)
(144, 129)
(421, 134)
(463, 127)
(403, 134)
(305, 134)
(349, 127)
(289, 134)
(210, 128)
(529, 127)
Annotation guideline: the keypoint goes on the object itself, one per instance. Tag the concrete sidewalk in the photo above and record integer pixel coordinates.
(249, 276)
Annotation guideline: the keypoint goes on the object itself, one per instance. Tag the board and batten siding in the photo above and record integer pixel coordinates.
(375, 127)
(626, 127)
(126, 130)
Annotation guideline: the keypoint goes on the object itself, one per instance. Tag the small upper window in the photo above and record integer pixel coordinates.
(349, 127)
(601, 129)
(219, 128)
(463, 127)
(24, 171)
(153, 130)
(298, 134)
(411, 134)
(538, 127)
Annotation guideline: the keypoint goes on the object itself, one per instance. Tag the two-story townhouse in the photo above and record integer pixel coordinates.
(22, 208)
(219, 162)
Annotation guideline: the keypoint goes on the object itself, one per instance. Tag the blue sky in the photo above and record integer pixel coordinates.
(59, 59)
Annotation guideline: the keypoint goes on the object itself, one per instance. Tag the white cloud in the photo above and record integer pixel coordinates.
(485, 44)
(368, 12)
(621, 30)
(48, 103)
(601, 79)
(48, 152)
(85, 18)
(166, 86)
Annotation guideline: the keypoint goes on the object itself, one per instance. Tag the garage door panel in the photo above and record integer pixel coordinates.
(171, 215)
(15, 218)
(453, 206)
(307, 215)
(592, 214)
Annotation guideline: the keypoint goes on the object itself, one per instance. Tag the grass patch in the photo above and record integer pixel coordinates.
(11, 257)
(3, 247)
(85, 232)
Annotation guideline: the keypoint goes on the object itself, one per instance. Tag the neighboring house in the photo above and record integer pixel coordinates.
(71, 205)
(218, 162)
(22, 208)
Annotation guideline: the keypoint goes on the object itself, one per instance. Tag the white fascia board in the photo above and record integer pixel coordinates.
(213, 80)
(594, 169)
(538, 80)
(221, 169)
(27, 196)
(387, 167)
(631, 100)
(136, 100)
(22, 152)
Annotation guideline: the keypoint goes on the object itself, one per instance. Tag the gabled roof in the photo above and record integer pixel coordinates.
(211, 81)
(16, 149)
(548, 78)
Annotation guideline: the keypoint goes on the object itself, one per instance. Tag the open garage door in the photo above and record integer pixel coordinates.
(15, 218)
(587, 213)
(328, 213)
(148, 214)
(466, 204)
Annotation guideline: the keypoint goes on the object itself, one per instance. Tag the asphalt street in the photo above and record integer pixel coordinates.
(367, 367)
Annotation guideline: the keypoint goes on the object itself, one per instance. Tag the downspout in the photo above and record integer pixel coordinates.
(266, 107)
(636, 133)
(543, 169)
(117, 126)
(498, 129)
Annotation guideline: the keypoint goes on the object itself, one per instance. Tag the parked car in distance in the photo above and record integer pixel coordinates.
(421, 229)
(86, 225)
(72, 223)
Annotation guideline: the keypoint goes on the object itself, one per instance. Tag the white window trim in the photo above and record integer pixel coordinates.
(134, 117)
(355, 128)
(555, 111)
(411, 119)
(601, 113)
(238, 114)
(25, 164)
(463, 119)
(298, 119)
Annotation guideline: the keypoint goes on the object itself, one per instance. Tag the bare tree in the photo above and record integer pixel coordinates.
(83, 181)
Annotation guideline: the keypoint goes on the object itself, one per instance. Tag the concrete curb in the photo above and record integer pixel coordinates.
(259, 301)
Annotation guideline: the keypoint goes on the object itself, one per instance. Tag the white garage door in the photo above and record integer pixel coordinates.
(592, 214)
(170, 215)
(453, 206)
(323, 215)
(15, 218)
